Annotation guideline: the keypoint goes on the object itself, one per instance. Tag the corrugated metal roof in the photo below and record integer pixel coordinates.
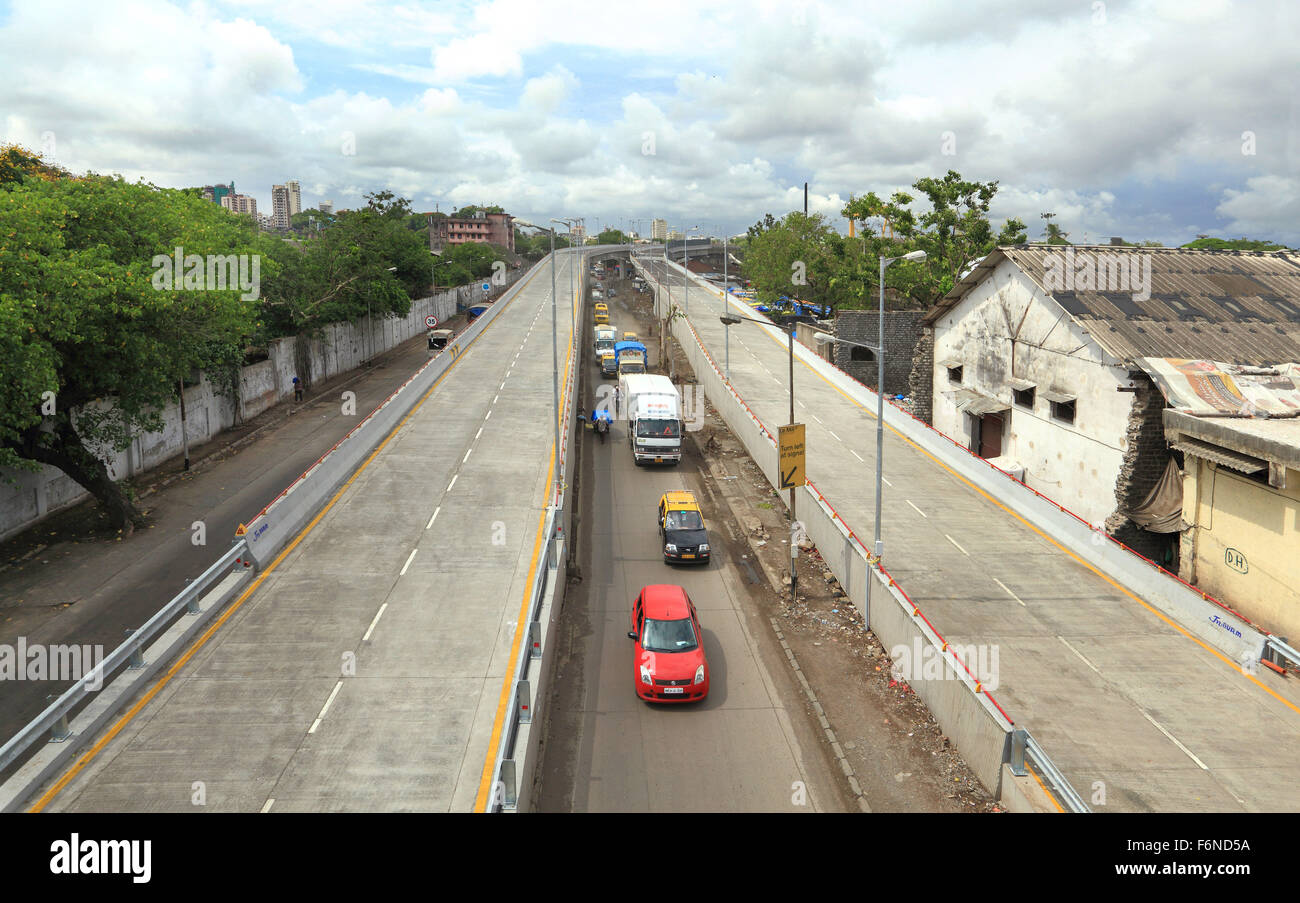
(950, 362)
(977, 403)
(1236, 306)
(1221, 456)
(1058, 397)
(1020, 385)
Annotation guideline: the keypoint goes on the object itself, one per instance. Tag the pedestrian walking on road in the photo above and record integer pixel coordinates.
(618, 409)
(297, 389)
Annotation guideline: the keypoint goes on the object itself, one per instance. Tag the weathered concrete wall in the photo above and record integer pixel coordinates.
(1242, 543)
(338, 349)
(1006, 327)
(804, 333)
(902, 329)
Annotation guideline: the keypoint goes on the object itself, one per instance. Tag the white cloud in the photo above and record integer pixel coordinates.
(691, 111)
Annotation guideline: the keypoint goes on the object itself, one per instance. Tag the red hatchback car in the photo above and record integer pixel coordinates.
(669, 663)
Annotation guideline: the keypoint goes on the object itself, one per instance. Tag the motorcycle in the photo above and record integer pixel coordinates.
(602, 427)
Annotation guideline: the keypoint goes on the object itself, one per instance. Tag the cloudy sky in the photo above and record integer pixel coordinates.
(1150, 119)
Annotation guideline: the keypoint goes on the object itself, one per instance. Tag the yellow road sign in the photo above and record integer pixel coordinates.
(791, 460)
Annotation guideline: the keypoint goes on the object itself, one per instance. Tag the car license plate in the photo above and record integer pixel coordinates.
(674, 689)
(659, 460)
(688, 555)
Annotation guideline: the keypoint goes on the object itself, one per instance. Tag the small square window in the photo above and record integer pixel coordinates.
(954, 374)
(1024, 397)
(1063, 411)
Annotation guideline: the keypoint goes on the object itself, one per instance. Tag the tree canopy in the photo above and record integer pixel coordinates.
(801, 257)
(83, 320)
(100, 322)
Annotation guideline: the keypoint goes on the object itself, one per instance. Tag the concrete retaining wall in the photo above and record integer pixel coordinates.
(26, 496)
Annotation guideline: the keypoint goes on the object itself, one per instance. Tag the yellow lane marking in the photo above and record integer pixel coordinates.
(87, 757)
(503, 701)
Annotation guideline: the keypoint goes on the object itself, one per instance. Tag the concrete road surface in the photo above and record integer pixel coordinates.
(748, 747)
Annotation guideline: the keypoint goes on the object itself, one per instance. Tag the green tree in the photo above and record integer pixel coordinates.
(17, 164)
(612, 237)
(1053, 235)
(474, 209)
(792, 258)
(955, 232)
(309, 222)
(345, 273)
(1235, 244)
(389, 205)
(763, 225)
(93, 343)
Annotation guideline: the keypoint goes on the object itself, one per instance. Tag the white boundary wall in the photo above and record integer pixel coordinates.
(341, 347)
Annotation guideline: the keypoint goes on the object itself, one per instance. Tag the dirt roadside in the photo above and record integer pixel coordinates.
(885, 736)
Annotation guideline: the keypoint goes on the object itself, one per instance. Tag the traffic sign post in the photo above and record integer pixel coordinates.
(790, 469)
(487, 287)
(791, 456)
(431, 321)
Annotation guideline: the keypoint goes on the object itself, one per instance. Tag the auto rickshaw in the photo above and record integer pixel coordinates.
(439, 338)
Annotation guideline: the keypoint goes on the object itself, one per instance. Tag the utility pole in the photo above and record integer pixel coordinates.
(794, 542)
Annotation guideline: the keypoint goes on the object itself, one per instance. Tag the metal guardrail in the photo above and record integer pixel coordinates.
(1280, 649)
(55, 717)
(525, 686)
(1024, 746)
(505, 787)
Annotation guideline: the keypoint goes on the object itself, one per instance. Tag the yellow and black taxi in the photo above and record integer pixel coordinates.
(681, 525)
(630, 337)
(608, 365)
(602, 312)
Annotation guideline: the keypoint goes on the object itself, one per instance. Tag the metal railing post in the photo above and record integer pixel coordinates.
(137, 654)
(1018, 753)
(523, 703)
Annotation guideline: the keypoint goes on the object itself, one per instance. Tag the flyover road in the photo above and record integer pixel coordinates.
(365, 673)
(93, 592)
(1138, 714)
(749, 746)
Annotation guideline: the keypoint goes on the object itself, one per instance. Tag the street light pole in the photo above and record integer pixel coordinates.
(729, 320)
(686, 282)
(555, 374)
(726, 309)
(879, 350)
(880, 407)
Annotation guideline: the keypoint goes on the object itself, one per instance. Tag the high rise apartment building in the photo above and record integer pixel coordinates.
(286, 200)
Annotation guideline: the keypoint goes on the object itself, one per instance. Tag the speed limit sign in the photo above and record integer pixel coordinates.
(430, 321)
